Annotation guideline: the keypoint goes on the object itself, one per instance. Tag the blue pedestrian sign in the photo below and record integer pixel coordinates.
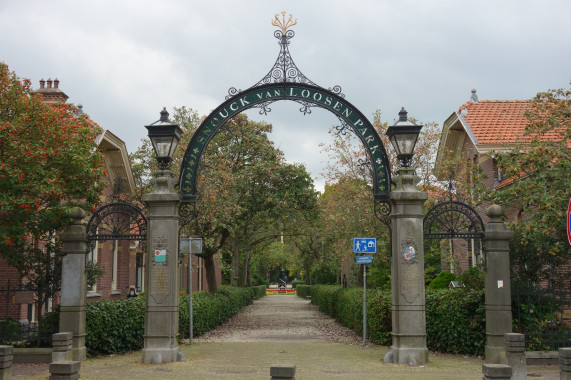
(365, 245)
(366, 259)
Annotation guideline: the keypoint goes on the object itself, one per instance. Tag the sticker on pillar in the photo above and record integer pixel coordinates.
(409, 253)
(500, 284)
(160, 255)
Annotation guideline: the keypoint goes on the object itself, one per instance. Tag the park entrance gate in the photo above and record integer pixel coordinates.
(285, 81)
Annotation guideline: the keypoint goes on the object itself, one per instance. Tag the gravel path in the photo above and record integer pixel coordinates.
(281, 318)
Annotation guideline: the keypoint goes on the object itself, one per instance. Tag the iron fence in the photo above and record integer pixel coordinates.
(24, 333)
(539, 314)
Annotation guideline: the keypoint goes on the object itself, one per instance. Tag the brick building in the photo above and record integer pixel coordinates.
(122, 261)
(474, 132)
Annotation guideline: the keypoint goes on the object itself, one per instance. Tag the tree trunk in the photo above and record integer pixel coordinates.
(210, 269)
(245, 269)
(235, 262)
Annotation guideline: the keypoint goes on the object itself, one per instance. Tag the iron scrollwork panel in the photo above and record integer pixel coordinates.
(116, 221)
(453, 219)
(383, 213)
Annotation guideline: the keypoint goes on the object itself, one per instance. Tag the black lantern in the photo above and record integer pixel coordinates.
(164, 136)
(403, 135)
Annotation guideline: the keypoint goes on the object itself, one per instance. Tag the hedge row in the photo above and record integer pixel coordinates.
(212, 309)
(118, 326)
(455, 320)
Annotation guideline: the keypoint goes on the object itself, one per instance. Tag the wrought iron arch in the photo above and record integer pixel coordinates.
(286, 82)
(452, 220)
(117, 219)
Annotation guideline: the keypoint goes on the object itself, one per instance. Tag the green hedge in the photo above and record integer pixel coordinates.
(114, 326)
(295, 283)
(303, 291)
(259, 291)
(455, 319)
(118, 326)
(212, 309)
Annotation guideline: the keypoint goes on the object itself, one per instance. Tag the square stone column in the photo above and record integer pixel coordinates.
(74, 283)
(161, 313)
(498, 285)
(407, 271)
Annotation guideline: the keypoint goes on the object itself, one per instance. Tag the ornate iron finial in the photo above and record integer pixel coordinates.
(283, 25)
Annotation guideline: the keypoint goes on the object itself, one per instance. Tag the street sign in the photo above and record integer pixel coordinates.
(365, 245)
(569, 222)
(366, 259)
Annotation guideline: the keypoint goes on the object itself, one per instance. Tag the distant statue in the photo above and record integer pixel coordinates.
(282, 281)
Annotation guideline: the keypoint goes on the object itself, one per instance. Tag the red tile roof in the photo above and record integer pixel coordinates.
(496, 121)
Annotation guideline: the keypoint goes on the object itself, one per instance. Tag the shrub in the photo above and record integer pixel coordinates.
(325, 273)
(211, 309)
(456, 321)
(303, 291)
(379, 317)
(473, 278)
(259, 291)
(442, 280)
(10, 330)
(295, 283)
(114, 326)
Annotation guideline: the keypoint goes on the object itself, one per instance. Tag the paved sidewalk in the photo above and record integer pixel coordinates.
(285, 329)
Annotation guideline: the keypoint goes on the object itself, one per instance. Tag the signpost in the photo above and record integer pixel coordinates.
(367, 259)
(364, 245)
(190, 247)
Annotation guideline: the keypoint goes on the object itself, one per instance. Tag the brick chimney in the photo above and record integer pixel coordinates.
(51, 95)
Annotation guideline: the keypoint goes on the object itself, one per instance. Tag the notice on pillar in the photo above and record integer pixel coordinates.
(500, 284)
(160, 255)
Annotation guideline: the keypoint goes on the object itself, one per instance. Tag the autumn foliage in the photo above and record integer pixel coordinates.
(48, 163)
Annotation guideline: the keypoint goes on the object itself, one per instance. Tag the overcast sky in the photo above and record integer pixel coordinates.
(125, 60)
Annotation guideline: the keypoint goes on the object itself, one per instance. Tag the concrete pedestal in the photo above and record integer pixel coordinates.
(161, 313)
(407, 271)
(515, 355)
(498, 286)
(74, 283)
(6, 359)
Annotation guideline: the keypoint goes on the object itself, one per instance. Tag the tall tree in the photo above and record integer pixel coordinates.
(246, 191)
(347, 205)
(49, 163)
(538, 168)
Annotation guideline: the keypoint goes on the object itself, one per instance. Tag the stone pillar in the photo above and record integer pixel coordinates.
(62, 345)
(515, 355)
(161, 313)
(282, 372)
(498, 287)
(565, 363)
(496, 372)
(407, 271)
(74, 282)
(6, 359)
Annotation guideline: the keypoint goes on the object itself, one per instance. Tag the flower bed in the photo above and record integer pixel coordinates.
(280, 291)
